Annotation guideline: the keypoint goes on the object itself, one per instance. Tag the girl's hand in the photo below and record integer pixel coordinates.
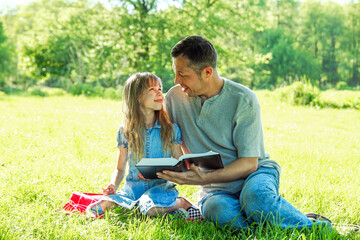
(110, 189)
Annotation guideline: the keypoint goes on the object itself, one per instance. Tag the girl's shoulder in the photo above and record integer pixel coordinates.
(121, 130)
(121, 138)
(176, 128)
(176, 134)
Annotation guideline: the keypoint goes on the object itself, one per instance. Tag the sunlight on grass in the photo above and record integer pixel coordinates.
(54, 146)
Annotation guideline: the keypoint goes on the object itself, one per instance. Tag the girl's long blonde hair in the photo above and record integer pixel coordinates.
(134, 118)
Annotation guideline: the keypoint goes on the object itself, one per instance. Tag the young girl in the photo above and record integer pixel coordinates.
(147, 132)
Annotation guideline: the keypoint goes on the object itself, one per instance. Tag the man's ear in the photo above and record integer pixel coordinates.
(207, 72)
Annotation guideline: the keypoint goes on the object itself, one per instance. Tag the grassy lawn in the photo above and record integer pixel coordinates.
(53, 146)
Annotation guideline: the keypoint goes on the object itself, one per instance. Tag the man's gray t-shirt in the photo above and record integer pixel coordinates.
(228, 123)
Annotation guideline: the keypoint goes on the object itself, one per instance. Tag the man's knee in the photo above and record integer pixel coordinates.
(259, 202)
(213, 207)
(224, 210)
(261, 188)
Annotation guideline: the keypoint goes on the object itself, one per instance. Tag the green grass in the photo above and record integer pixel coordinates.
(53, 146)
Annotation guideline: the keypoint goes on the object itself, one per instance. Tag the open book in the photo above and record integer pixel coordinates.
(206, 161)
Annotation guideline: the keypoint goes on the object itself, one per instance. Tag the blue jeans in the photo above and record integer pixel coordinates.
(258, 201)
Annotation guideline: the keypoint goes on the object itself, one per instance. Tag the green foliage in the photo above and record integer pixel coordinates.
(299, 93)
(113, 93)
(54, 91)
(90, 90)
(85, 42)
(6, 63)
(36, 91)
(11, 90)
(340, 99)
(287, 63)
(342, 85)
(352, 68)
(262, 44)
(56, 82)
(76, 89)
(45, 91)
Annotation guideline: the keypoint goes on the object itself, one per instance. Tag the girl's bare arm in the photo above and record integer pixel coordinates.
(119, 172)
(176, 151)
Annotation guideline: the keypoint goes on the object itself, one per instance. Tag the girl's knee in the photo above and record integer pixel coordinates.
(105, 204)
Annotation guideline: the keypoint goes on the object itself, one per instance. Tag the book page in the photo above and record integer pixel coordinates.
(158, 162)
(193, 155)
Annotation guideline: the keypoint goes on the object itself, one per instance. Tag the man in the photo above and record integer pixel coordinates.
(218, 114)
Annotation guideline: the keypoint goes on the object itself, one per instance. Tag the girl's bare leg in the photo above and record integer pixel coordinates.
(107, 205)
(180, 203)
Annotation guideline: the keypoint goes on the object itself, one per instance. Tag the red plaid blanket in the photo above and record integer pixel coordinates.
(80, 201)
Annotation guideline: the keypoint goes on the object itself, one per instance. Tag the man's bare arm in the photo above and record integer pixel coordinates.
(239, 169)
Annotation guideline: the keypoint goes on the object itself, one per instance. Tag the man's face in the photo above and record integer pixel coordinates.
(190, 81)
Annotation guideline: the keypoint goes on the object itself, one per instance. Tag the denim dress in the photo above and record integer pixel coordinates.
(146, 193)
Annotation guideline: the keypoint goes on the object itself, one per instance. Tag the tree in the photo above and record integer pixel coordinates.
(288, 63)
(331, 33)
(321, 31)
(310, 28)
(6, 63)
(231, 27)
(352, 42)
(260, 43)
(285, 14)
(64, 41)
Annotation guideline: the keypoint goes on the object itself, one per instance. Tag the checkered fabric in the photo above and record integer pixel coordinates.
(179, 214)
(194, 213)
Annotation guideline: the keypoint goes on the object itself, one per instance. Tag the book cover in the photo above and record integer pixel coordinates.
(206, 161)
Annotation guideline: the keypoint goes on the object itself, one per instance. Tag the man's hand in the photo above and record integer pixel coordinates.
(192, 177)
(239, 169)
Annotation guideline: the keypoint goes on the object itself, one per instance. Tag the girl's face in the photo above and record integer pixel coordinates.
(152, 98)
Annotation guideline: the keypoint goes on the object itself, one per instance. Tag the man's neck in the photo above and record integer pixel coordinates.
(215, 86)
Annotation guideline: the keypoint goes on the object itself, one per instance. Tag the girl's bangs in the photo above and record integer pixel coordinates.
(153, 82)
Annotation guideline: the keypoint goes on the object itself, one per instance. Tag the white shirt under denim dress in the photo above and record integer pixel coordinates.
(136, 191)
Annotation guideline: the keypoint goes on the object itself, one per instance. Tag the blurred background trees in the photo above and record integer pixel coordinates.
(85, 46)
